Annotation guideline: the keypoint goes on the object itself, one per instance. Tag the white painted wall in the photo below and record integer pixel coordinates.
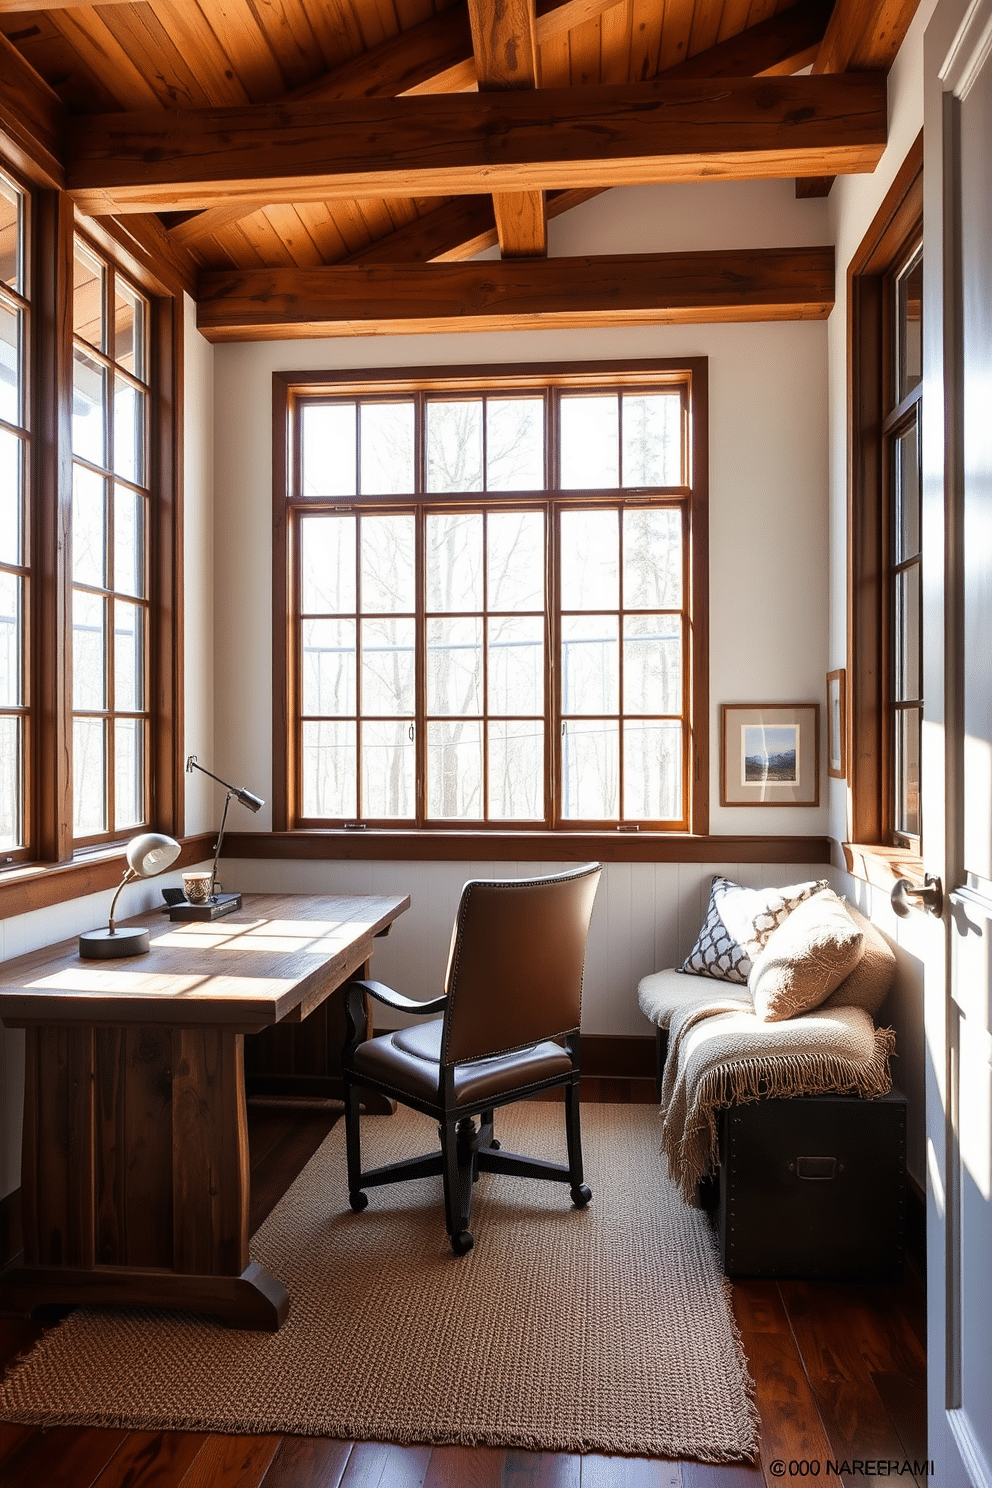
(853, 203)
(202, 586)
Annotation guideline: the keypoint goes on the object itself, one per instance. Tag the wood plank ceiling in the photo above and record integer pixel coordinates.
(300, 135)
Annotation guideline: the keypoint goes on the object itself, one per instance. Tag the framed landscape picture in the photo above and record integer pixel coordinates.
(770, 754)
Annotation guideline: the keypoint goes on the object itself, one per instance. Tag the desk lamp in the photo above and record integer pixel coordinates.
(216, 904)
(146, 855)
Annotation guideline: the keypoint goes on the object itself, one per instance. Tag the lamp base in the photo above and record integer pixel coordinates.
(221, 904)
(107, 945)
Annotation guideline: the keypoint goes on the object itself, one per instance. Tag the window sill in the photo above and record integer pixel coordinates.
(31, 886)
(882, 866)
(387, 844)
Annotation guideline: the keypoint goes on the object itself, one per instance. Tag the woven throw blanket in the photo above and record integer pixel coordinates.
(722, 1055)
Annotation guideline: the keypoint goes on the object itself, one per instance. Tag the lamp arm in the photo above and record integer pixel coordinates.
(220, 836)
(193, 764)
(129, 873)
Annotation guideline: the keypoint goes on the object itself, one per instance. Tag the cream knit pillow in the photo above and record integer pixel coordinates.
(738, 923)
(810, 954)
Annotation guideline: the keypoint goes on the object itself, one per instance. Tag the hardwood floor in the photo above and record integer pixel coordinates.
(839, 1374)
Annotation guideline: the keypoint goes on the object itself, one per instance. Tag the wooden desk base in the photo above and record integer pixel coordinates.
(135, 1176)
(256, 1299)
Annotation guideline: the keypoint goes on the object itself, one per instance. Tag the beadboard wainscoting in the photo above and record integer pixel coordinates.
(646, 917)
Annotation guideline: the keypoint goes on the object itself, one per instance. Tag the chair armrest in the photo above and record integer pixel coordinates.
(356, 1013)
(396, 1000)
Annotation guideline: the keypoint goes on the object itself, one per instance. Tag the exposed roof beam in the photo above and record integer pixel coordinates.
(435, 56)
(636, 289)
(32, 119)
(506, 59)
(458, 230)
(465, 226)
(460, 144)
(862, 35)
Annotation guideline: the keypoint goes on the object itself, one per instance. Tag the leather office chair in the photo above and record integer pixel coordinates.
(509, 1028)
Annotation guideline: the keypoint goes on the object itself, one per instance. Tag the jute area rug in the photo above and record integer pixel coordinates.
(605, 1330)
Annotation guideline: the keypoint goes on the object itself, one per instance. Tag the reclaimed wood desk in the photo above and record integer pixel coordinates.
(134, 1172)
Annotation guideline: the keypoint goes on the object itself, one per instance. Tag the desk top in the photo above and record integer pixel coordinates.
(276, 958)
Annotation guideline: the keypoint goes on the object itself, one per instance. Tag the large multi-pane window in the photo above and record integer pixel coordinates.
(15, 465)
(901, 434)
(491, 604)
(884, 662)
(110, 498)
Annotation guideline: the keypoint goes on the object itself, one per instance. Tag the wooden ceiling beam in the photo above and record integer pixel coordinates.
(465, 226)
(861, 36)
(776, 47)
(506, 59)
(461, 144)
(515, 294)
(32, 119)
(435, 56)
(458, 230)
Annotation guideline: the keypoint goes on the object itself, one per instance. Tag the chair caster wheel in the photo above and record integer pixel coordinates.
(581, 1195)
(358, 1201)
(462, 1244)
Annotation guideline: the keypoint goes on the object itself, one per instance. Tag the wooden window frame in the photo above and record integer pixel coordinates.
(105, 357)
(26, 879)
(292, 386)
(24, 299)
(888, 244)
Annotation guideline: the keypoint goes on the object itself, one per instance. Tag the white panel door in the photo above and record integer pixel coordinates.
(957, 762)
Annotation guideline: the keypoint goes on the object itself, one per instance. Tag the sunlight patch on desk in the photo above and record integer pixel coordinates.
(126, 983)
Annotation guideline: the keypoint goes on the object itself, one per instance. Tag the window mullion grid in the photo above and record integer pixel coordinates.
(20, 570)
(485, 635)
(420, 656)
(111, 574)
(554, 702)
(552, 504)
(420, 603)
(621, 738)
(359, 649)
(685, 656)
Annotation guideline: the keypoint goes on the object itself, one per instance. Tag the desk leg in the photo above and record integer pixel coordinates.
(135, 1175)
(304, 1059)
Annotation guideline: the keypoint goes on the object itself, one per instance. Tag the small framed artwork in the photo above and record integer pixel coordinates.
(770, 754)
(837, 724)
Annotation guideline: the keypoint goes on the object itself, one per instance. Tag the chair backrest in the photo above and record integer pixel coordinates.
(515, 967)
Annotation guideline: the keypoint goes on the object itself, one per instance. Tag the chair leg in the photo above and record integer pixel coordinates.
(357, 1198)
(456, 1152)
(485, 1141)
(581, 1192)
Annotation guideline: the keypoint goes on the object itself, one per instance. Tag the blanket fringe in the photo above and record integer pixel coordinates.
(693, 1152)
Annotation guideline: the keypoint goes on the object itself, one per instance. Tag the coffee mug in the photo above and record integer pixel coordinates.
(197, 887)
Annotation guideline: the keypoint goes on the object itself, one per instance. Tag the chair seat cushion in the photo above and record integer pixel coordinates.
(409, 1059)
(664, 993)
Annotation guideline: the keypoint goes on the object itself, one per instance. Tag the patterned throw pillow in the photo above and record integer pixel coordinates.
(737, 925)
